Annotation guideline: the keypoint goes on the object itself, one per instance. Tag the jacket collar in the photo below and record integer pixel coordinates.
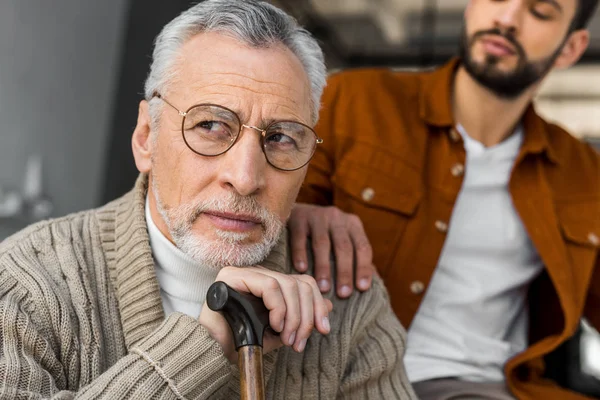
(435, 109)
(436, 95)
(538, 137)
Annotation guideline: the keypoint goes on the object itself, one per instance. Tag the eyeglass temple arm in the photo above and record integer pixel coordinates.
(158, 96)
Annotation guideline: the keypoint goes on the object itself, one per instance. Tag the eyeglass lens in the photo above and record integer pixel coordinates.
(211, 130)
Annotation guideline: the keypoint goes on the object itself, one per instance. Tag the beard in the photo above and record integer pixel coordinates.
(508, 85)
(229, 248)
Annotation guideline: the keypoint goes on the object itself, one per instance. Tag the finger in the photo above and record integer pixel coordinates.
(322, 307)
(307, 322)
(283, 290)
(329, 305)
(289, 289)
(363, 252)
(260, 283)
(344, 260)
(298, 225)
(274, 300)
(364, 277)
(321, 246)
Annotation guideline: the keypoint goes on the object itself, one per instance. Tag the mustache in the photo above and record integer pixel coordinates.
(505, 34)
(232, 203)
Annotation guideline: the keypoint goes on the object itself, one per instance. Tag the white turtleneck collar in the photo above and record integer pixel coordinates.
(183, 281)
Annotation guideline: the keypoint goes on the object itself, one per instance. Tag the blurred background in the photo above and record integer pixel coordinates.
(72, 71)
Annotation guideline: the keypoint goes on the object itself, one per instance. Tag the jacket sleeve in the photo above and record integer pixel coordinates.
(375, 367)
(318, 187)
(40, 359)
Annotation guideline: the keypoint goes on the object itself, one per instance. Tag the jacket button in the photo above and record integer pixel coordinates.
(368, 194)
(454, 135)
(441, 226)
(417, 287)
(457, 170)
(593, 238)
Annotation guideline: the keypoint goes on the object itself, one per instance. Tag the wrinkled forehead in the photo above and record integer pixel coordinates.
(215, 64)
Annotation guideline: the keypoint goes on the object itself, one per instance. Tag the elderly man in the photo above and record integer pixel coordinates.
(108, 303)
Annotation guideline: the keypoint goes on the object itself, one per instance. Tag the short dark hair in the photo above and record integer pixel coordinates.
(585, 12)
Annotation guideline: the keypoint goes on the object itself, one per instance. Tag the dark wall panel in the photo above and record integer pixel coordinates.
(146, 19)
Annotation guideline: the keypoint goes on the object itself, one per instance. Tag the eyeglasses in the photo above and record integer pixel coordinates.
(211, 130)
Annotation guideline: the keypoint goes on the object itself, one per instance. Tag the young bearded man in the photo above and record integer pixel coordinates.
(109, 303)
(483, 218)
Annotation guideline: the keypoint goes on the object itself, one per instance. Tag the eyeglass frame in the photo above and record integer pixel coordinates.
(263, 132)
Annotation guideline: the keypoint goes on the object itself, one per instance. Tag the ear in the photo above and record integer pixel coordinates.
(141, 141)
(574, 47)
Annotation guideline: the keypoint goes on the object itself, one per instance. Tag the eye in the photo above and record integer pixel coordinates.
(540, 15)
(281, 139)
(211, 122)
(213, 129)
(214, 126)
(543, 10)
(289, 137)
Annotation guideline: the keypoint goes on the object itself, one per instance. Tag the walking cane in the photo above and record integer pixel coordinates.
(248, 318)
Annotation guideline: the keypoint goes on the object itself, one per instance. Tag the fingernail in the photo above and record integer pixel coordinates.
(323, 285)
(300, 265)
(301, 345)
(363, 283)
(345, 291)
(326, 324)
(281, 326)
(292, 338)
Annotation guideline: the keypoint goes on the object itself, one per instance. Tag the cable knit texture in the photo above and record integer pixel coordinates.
(81, 317)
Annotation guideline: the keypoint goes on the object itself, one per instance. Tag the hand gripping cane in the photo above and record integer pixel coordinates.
(248, 318)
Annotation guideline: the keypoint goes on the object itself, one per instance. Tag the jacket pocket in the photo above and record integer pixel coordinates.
(581, 233)
(385, 204)
(582, 241)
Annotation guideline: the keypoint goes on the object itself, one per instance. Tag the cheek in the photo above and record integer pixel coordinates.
(283, 190)
(477, 18)
(544, 42)
(177, 171)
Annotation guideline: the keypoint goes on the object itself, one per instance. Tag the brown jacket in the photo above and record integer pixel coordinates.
(392, 157)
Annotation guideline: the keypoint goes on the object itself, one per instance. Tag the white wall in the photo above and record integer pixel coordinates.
(571, 98)
(59, 62)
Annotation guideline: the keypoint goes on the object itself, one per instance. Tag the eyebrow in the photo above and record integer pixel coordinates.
(224, 114)
(553, 3)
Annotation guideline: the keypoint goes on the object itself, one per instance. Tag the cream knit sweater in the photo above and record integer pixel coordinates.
(81, 317)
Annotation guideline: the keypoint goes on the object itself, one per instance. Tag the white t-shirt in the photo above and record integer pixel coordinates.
(474, 316)
(183, 282)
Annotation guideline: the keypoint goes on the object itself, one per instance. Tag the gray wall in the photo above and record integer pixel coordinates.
(59, 63)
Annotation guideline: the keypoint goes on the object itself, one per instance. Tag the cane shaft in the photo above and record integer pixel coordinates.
(250, 362)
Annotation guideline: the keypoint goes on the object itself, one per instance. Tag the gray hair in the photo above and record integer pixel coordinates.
(256, 23)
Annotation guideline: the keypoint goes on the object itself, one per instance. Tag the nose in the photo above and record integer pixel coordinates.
(244, 165)
(509, 15)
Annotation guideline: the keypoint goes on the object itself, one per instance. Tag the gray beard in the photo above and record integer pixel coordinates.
(229, 248)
